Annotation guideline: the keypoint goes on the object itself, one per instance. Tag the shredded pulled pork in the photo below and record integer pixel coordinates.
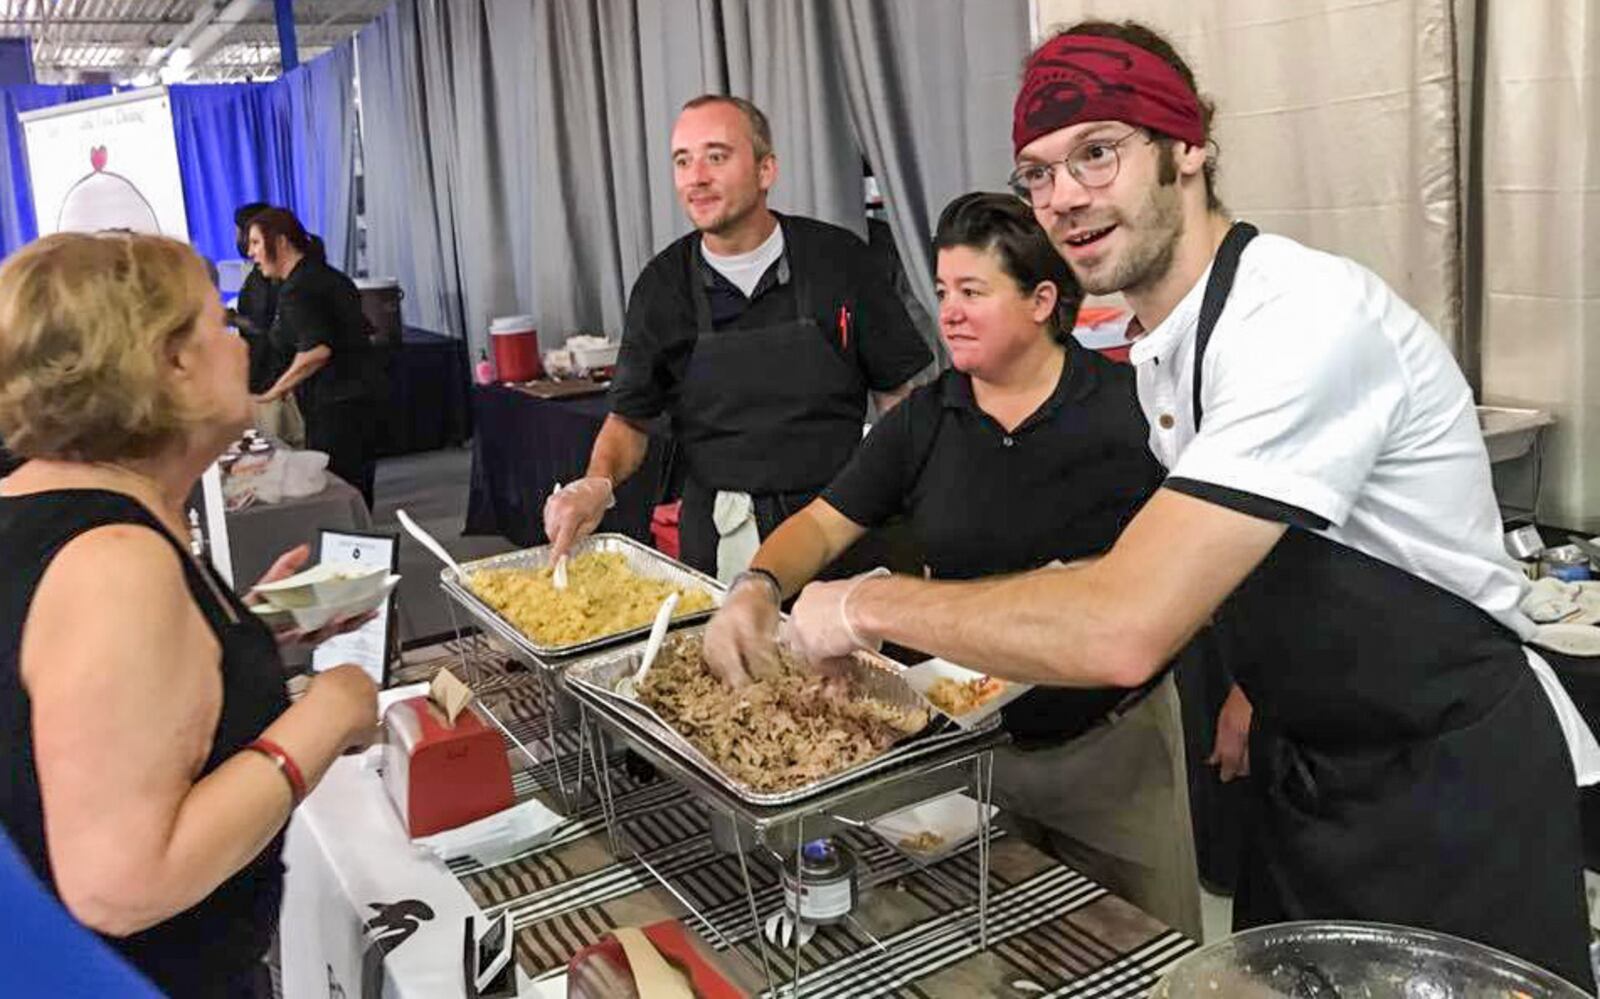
(776, 734)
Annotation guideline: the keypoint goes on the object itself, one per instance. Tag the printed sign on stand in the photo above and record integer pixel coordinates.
(371, 645)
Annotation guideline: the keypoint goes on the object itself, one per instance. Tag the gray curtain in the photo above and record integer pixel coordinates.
(930, 85)
(783, 57)
(517, 151)
(322, 113)
(410, 220)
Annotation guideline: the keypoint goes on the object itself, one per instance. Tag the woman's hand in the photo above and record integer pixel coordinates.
(346, 700)
(741, 641)
(289, 563)
(333, 629)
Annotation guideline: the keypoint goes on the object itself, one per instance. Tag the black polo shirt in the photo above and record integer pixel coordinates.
(661, 330)
(982, 501)
(256, 307)
(319, 306)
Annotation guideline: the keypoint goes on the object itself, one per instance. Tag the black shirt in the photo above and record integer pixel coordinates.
(319, 306)
(256, 308)
(982, 501)
(212, 947)
(660, 330)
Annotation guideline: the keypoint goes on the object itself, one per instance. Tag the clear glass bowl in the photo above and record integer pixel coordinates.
(1348, 960)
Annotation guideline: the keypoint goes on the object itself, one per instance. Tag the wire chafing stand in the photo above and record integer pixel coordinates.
(546, 662)
(771, 817)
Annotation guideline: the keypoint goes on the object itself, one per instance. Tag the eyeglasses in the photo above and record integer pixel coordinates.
(1093, 164)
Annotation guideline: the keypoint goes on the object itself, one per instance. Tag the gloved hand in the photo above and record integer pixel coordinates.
(741, 642)
(574, 511)
(820, 628)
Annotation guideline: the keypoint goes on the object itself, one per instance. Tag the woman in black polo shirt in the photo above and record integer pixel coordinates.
(1032, 450)
(319, 322)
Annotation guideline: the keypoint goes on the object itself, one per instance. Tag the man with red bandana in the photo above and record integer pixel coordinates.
(1328, 495)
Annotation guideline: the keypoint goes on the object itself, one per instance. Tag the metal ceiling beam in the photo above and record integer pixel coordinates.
(209, 26)
(206, 41)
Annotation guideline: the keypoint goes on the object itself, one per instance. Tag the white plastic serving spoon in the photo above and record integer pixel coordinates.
(630, 685)
(429, 542)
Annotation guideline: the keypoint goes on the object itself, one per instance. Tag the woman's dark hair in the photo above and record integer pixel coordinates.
(275, 222)
(986, 221)
(241, 224)
(247, 211)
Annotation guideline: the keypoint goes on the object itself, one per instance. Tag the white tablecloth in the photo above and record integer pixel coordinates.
(355, 885)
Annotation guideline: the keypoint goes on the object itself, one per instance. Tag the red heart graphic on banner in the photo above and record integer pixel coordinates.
(97, 156)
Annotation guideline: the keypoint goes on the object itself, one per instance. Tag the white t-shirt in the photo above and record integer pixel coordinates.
(1324, 391)
(745, 269)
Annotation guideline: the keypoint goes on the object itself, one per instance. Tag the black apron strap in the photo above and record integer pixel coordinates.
(786, 272)
(1224, 268)
(697, 291)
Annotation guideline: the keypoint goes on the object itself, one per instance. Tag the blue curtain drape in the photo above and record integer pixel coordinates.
(290, 142)
(17, 224)
(234, 147)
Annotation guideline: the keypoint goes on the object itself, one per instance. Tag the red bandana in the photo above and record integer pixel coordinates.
(1076, 78)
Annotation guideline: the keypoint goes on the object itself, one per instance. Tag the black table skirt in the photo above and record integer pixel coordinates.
(523, 446)
(427, 407)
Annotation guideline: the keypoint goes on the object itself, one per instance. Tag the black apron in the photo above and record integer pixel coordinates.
(774, 411)
(1407, 764)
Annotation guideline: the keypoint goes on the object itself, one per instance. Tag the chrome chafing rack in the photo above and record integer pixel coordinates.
(546, 661)
(777, 819)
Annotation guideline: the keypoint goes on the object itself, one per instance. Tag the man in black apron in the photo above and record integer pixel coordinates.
(759, 335)
(1328, 492)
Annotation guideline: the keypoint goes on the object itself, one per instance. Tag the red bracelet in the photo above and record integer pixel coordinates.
(285, 764)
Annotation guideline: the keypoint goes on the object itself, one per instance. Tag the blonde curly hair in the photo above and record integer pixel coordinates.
(87, 323)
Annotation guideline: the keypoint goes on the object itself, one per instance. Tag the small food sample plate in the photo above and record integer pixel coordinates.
(325, 584)
(933, 829)
(965, 695)
(320, 615)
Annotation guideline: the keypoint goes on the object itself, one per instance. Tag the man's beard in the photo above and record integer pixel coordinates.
(1158, 226)
(732, 216)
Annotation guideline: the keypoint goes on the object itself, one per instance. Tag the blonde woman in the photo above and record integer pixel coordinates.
(150, 757)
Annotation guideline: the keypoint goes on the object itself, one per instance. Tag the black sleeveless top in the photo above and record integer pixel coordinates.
(212, 947)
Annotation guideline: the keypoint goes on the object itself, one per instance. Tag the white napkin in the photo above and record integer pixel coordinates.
(495, 838)
(1550, 599)
(738, 538)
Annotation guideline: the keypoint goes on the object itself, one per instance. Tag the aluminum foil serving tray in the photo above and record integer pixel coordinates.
(641, 559)
(594, 679)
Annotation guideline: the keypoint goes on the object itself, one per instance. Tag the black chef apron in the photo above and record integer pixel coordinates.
(774, 411)
(1407, 764)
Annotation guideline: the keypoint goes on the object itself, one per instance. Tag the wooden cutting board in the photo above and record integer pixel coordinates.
(568, 388)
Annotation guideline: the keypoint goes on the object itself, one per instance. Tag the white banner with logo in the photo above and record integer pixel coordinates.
(366, 913)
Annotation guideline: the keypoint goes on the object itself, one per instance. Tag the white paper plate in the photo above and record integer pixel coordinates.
(275, 618)
(1568, 639)
(952, 817)
(312, 618)
(923, 676)
(326, 584)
